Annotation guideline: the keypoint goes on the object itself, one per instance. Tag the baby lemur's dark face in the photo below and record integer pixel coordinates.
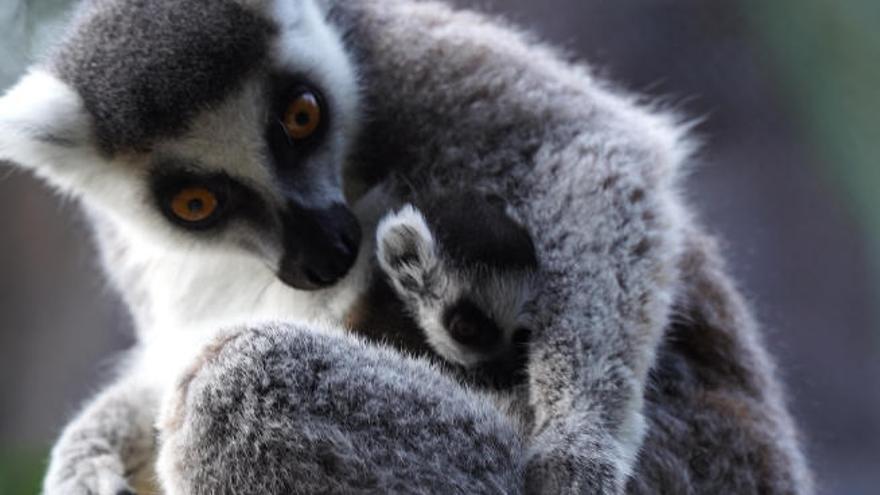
(460, 270)
(471, 327)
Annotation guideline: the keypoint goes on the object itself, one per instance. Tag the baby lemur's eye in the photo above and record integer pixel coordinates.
(304, 114)
(195, 205)
(468, 325)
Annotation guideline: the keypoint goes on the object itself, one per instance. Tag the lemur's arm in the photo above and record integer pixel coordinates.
(288, 408)
(108, 442)
(609, 238)
(598, 316)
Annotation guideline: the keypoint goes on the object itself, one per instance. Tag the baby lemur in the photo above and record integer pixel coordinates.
(451, 279)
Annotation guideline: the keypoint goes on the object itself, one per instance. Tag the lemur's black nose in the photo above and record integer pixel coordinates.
(320, 246)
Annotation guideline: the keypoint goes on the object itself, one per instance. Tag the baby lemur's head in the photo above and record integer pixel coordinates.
(462, 270)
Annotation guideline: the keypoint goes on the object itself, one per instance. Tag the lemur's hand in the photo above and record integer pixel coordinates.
(562, 461)
(80, 472)
(544, 476)
(111, 438)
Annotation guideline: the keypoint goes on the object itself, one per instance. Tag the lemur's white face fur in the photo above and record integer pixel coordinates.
(221, 133)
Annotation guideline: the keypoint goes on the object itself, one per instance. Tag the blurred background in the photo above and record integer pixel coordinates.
(789, 178)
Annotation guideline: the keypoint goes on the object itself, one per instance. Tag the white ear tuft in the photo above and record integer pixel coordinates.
(42, 120)
(404, 240)
(45, 127)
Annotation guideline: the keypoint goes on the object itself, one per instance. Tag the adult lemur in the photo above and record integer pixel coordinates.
(207, 139)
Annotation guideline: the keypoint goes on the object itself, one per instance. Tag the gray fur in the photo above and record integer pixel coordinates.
(299, 411)
(716, 419)
(145, 68)
(580, 167)
(457, 99)
(594, 178)
(716, 416)
(100, 456)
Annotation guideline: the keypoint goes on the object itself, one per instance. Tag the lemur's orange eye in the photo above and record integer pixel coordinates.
(194, 204)
(303, 116)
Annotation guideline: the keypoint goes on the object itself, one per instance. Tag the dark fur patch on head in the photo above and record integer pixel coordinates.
(474, 229)
(145, 68)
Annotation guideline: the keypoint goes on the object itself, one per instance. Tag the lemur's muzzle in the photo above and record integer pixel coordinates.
(320, 246)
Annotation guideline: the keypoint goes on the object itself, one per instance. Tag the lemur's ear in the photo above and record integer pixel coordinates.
(405, 242)
(44, 127)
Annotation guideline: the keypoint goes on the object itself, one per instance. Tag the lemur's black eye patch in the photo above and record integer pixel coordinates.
(205, 201)
(471, 327)
(298, 120)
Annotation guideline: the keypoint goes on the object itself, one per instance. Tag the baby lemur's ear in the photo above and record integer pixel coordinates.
(44, 126)
(407, 251)
(404, 239)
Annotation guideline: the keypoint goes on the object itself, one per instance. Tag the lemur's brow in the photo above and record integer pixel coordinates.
(180, 66)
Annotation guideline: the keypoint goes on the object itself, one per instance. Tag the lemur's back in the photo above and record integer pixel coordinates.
(712, 387)
(596, 182)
